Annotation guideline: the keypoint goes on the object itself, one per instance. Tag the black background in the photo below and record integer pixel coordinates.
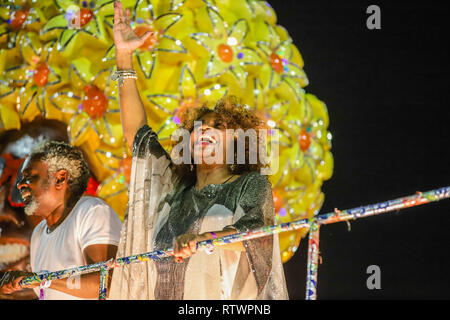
(387, 93)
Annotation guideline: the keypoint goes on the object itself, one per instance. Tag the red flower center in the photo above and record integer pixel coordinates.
(86, 15)
(18, 17)
(94, 102)
(276, 62)
(225, 52)
(40, 75)
(304, 140)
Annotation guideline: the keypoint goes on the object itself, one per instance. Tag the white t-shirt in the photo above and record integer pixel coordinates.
(91, 221)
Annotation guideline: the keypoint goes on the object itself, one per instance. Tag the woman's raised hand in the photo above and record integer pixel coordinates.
(125, 40)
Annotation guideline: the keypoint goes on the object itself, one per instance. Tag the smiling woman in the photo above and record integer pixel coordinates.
(209, 127)
(175, 207)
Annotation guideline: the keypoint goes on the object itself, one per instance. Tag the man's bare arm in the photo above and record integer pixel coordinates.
(89, 284)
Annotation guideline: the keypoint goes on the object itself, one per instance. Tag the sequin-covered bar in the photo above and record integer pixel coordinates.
(313, 250)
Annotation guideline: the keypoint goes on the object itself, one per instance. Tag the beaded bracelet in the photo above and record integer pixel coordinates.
(120, 75)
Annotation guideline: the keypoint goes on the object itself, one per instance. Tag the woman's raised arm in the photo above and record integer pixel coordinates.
(126, 41)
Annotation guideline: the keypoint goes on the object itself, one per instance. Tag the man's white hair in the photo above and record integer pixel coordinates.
(62, 156)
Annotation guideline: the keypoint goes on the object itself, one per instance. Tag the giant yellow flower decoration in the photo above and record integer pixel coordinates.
(34, 77)
(18, 16)
(77, 19)
(226, 54)
(201, 50)
(143, 20)
(279, 67)
(93, 105)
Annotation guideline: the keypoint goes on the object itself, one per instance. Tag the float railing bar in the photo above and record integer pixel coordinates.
(361, 212)
(313, 262)
(333, 217)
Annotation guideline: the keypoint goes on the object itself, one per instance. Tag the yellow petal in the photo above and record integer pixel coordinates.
(284, 50)
(216, 23)
(238, 31)
(215, 67)
(249, 56)
(187, 84)
(293, 71)
(79, 129)
(279, 109)
(289, 243)
(102, 79)
(165, 21)
(8, 94)
(256, 96)
(316, 150)
(146, 61)
(166, 103)
(263, 10)
(239, 75)
(26, 103)
(289, 88)
(79, 73)
(65, 101)
(325, 167)
(264, 48)
(31, 48)
(319, 108)
(110, 54)
(114, 191)
(18, 74)
(109, 129)
(200, 43)
(307, 173)
(110, 157)
(265, 75)
(9, 118)
(213, 93)
(165, 131)
(57, 22)
(145, 10)
(170, 44)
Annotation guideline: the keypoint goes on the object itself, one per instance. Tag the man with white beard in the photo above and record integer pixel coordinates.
(76, 230)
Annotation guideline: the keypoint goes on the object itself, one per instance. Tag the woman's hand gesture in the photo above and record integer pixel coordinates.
(125, 40)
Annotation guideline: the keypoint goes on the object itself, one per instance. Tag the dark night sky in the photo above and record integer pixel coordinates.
(387, 93)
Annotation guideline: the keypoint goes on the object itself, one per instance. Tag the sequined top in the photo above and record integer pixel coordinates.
(189, 205)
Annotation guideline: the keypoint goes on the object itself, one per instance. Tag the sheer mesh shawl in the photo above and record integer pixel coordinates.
(256, 273)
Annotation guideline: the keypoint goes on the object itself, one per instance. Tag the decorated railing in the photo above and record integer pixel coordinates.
(313, 243)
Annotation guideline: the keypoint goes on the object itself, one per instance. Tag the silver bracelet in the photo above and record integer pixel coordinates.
(120, 75)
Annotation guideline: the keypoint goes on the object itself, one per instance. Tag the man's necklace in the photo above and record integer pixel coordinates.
(61, 220)
(53, 228)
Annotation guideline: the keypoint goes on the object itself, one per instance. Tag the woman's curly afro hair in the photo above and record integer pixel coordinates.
(232, 115)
